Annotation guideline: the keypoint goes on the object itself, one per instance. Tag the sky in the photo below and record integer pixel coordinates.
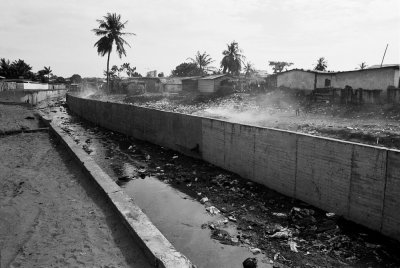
(57, 33)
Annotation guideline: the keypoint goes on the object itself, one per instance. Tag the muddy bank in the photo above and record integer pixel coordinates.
(50, 215)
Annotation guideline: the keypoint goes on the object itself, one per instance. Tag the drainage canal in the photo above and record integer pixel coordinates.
(183, 220)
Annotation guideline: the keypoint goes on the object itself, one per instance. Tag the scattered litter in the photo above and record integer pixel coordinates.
(250, 263)
(213, 210)
(235, 240)
(232, 218)
(255, 251)
(284, 233)
(203, 200)
(293, 246)
(279, 214)
(330, 214)
(175, 157)
(148, 157)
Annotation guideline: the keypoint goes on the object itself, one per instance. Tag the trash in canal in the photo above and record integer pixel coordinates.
(213, 210)
(255, 251)
(250, 263)
(123, 180)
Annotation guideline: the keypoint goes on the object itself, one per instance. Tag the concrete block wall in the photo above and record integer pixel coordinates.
(30, 96)
(359, 182)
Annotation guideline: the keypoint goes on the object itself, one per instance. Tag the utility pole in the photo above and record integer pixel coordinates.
(384, 54)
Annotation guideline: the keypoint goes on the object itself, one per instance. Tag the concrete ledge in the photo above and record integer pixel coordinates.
(156, 247)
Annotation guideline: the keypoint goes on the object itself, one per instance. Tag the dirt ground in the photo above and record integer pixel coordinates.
(50, 214)
(290, 232)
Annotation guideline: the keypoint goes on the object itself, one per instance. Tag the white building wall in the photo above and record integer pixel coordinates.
(366, 79)
(296, 79)
(397, 78)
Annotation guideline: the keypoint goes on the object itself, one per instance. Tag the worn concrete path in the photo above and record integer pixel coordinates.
(50, 215)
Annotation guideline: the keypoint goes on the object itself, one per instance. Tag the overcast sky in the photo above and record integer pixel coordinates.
(57, 33)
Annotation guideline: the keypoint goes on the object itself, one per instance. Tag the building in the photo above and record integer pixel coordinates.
(369, 79)
(211, 83)
(190, 83)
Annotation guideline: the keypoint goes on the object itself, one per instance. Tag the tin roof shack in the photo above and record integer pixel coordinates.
(210, 84)
(139, 85)
(171, 84)
(190, 84)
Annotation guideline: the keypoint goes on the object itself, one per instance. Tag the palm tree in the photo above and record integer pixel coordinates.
(48, 71)
(322, 64)
(249, 69)
(363, 65)
(233, 59)
(202, 61)
(110, 30)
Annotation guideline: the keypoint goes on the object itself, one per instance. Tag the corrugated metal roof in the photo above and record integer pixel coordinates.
(212, 77)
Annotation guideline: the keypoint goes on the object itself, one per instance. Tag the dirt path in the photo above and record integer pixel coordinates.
(50, 215)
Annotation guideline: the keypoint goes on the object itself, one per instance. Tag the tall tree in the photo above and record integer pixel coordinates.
(186, 69)
(248, 69)
(20, 69)
(48, 71)
(322, 64)
(362, 65)
(202, 60)
(111, 31)
(233, 59)
(278, 66)
(76, 79)
(5, 68)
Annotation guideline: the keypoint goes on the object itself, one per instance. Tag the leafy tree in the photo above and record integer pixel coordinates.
(278, 66)
(110, 29)
(41, 76)
(322, 64)
(60, 79)
(130, 71)
(233, 59)
(5, 68)
(114, 71)
(161, 74)
(362, 65)
(76, 79)
(202, 60)
(249, 69)
(186, 69)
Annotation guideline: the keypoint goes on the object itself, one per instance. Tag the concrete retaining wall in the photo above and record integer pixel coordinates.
(30, 96)
(360, 182)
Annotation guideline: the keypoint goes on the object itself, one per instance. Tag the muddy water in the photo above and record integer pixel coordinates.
(177, 215)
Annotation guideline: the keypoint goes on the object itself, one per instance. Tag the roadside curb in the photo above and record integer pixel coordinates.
(158, 250)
